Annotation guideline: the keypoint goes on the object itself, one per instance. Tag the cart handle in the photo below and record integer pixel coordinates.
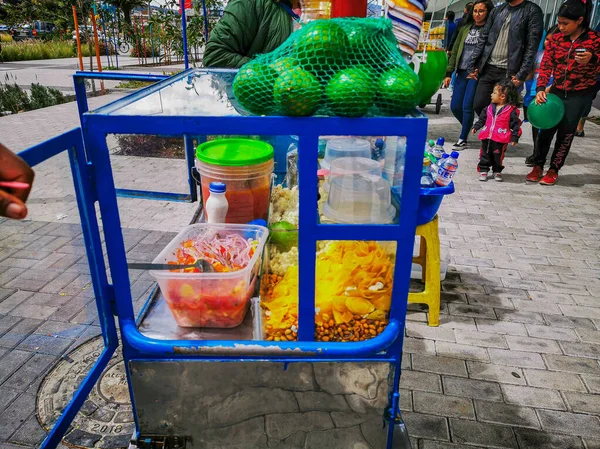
(235, 348)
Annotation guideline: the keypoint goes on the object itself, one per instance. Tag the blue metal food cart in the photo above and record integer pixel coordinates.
(171, 372)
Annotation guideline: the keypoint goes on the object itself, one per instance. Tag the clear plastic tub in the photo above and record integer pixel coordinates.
(245, 166)
(359, 199)
(345, 147)
(210, 299)
(355, 165)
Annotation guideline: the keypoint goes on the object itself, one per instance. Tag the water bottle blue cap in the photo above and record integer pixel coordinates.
(379, 143)
(441, 141)
(217, 187)
(445, 155)
(455, 154)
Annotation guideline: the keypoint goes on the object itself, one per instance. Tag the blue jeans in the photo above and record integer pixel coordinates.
(462, 102)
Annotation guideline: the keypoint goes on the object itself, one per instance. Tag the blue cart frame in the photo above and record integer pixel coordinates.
(94, 183)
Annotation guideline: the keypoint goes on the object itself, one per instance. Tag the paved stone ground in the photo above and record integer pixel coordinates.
(514, 363)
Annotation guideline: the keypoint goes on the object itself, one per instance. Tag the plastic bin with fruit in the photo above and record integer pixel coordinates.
(220, 298)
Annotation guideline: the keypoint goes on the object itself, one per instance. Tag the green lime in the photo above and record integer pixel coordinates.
(297, 92)
(350, 93)
(282, 64)
(253, 87)
(398, 91)
(322, 48)
(284, 235)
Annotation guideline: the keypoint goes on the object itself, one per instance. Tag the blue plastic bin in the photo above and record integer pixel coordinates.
(430, 200)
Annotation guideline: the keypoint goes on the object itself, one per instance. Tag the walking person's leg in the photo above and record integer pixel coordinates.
(530, 160)
(467, 108)
(497, 152)
(487, 80)
(542, 148)
(460, 84)
(574, 107)
(486, 159)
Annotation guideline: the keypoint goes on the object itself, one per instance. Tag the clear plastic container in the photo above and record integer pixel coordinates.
(355, 165)
(345, 147)
(210, 299)
(245, 166)
(359, 199)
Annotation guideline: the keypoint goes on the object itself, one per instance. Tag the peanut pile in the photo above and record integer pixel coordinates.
(357, 329)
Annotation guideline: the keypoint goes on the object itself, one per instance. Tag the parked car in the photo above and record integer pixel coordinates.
(40, 28)
(22, 32)
(4, 29)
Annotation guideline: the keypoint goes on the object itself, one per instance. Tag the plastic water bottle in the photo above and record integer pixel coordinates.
(291, 176)
(217, 205)
(426, 175)
(438, 148)
(448, 168)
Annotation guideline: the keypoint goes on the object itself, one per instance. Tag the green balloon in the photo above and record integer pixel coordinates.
(431, 74)
(548, 114)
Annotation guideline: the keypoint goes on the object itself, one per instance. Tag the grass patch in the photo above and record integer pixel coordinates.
(133, 84)
(30, 50)
(5, 37)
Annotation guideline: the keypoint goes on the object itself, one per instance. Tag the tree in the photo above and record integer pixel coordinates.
(126, 6)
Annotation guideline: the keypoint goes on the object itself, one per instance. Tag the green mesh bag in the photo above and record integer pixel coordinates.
(345, 67)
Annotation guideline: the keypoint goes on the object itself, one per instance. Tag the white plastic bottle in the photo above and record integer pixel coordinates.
(448, 168)
(217, 206)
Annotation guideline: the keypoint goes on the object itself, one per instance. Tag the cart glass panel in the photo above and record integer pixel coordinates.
(191, 93)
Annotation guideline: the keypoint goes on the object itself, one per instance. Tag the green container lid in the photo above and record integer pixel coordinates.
(234, 152)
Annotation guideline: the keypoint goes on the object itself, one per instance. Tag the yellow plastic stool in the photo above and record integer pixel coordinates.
(429, 259)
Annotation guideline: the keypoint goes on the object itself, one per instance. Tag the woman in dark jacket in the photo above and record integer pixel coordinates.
(464, 87)
(247, 28)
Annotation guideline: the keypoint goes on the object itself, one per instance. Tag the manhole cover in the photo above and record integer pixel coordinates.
(106, 419)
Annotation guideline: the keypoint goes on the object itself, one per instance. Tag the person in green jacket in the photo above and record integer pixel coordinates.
(247, 28)
(465, 87)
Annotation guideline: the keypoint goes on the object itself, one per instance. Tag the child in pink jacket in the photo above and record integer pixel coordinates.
(500, 125)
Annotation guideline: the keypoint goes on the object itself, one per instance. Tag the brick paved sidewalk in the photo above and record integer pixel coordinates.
(514, 363)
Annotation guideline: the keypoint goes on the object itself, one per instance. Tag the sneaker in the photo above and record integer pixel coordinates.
(530, 161)
(535, 175)
(580, 133)
(550, 178)
(460, 145)
(483, 175)
(498, 177)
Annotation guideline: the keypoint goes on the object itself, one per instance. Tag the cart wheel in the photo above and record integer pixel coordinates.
(400, 435)
(422, 106)
(438, 104)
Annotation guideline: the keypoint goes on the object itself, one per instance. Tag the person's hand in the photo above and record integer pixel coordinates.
(514, 144)
(446, 82)
(474, 75)
(548, 89)
(583, 57)
(517, 82)
(540, 98)
(13, 168)
(474, 131)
